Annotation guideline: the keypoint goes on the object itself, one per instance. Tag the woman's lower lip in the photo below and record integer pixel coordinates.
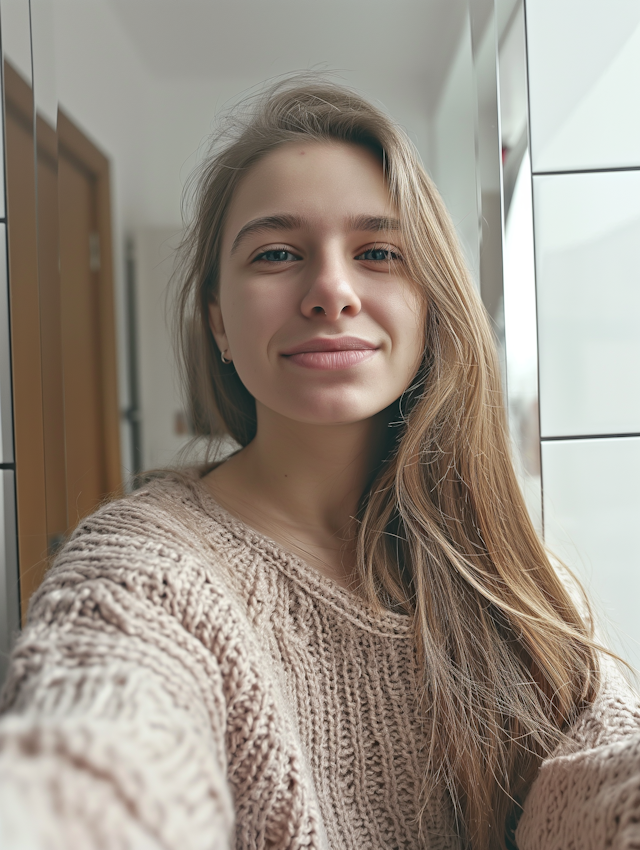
(332, 359)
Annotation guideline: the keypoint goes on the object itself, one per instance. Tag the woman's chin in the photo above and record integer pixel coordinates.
(326, 405)
(319, 413)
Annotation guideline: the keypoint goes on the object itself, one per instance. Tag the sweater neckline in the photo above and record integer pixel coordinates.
(348, 604)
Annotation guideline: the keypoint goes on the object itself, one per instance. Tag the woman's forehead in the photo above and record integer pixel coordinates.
(312, 181)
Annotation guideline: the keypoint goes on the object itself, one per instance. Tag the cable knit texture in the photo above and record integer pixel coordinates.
(186, 683)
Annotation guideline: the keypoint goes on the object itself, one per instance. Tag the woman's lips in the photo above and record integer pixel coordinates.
(332, 359)
(328, 353)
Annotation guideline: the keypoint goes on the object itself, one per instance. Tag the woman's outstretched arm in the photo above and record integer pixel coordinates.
(587, 794)
(113, 731)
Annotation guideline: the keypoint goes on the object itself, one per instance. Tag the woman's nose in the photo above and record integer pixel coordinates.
(331, 291)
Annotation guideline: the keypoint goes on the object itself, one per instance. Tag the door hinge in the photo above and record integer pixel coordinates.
(94, 252)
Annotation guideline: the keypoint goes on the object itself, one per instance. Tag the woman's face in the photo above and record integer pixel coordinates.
(314, 306)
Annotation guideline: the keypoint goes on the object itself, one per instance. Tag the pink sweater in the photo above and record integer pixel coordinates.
(184, 683)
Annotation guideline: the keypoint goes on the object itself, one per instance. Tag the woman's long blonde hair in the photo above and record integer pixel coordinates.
(508, 662)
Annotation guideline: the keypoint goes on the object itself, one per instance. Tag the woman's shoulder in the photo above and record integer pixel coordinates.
(153, 519)
(613, 716)
(168, 509)
(162, 499)
(155, 542)
(585, 793)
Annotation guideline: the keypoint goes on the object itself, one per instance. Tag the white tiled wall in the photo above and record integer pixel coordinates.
(587, 238)
(591, 522)
(584, 78)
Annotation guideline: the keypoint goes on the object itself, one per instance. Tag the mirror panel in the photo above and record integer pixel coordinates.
(518, 265)
(484, 43)
(22, 242)
(505, 265)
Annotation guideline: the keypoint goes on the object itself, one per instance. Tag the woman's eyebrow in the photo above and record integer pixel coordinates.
(285, 221)
(268, 222)
(373, 223)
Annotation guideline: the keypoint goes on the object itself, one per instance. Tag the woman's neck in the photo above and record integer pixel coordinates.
(301, 485)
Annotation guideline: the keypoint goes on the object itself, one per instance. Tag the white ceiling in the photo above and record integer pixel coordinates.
(407, 43)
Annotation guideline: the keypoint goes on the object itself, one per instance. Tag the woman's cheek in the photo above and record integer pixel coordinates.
(256, 314)
(403, 319)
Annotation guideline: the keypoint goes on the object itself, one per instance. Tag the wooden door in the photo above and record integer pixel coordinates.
(66, 417)
(91, 414)
(84, 431)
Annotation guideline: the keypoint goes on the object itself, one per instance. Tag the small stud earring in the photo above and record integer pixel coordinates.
(223, 358)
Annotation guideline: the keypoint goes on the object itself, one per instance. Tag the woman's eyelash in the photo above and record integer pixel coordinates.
(284, 255)
(386, 255)
(264, 256)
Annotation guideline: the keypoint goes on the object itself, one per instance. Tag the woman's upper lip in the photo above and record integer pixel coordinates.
(330, 343)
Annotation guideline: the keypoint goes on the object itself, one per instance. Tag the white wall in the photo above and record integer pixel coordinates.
(16, 35)
(584, 78)
(153, 126)
(161, 403)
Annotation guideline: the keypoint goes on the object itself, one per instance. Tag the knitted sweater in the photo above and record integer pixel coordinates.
(185, 683)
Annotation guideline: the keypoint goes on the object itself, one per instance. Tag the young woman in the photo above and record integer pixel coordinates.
(347, 635)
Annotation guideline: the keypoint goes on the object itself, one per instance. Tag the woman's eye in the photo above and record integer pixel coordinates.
(275, 255)
(379, 255)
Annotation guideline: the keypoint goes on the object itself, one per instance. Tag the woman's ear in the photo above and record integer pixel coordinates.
(217, 326)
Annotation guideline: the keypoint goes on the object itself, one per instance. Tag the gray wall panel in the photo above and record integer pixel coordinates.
(9, 590)
(6, 415)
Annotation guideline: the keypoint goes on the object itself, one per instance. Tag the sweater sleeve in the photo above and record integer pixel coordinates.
(113, 726)
(587, 794)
